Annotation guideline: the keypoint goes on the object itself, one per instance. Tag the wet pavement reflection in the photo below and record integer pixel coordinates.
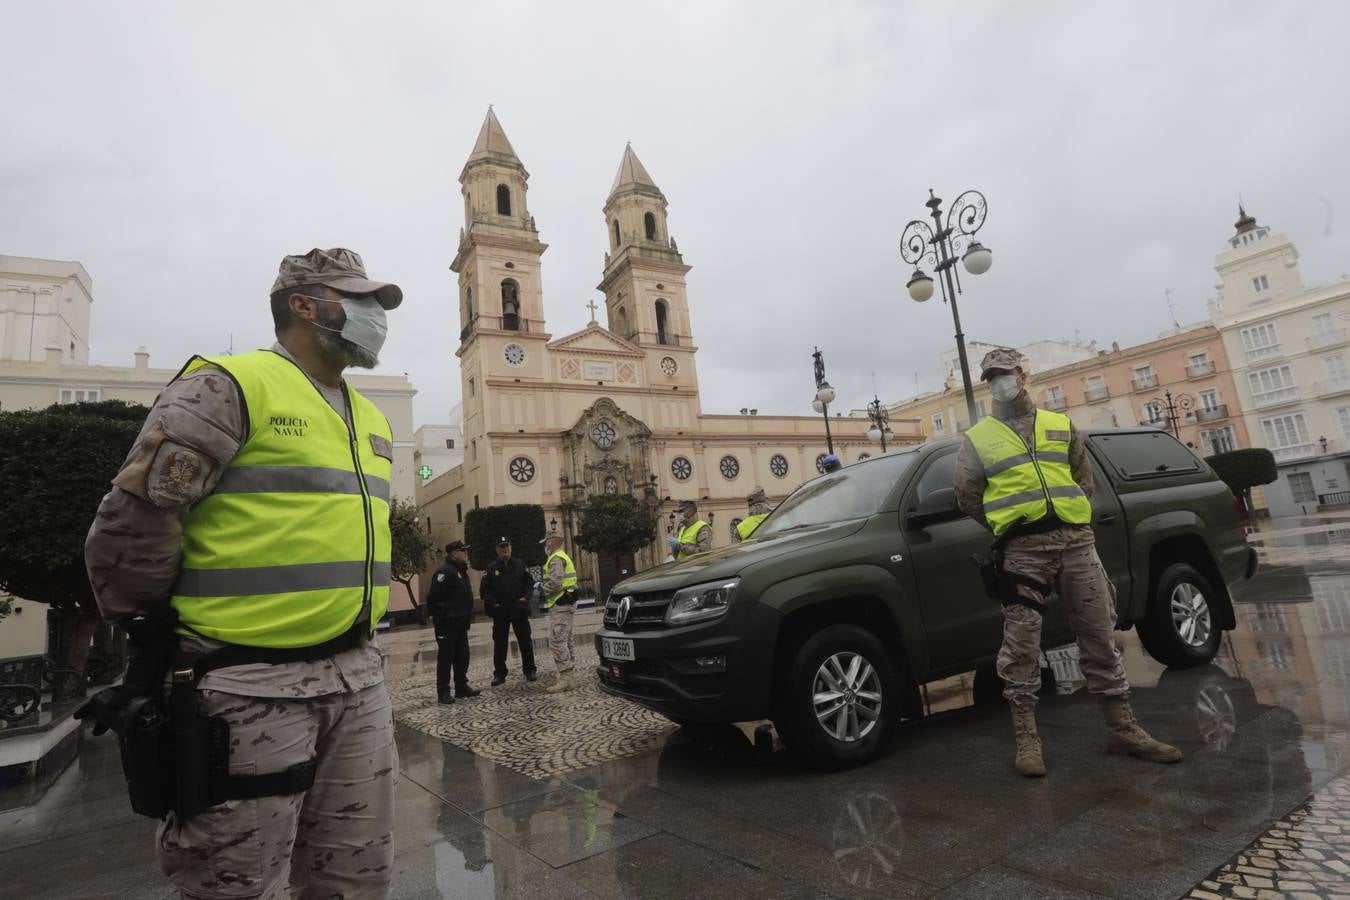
(1259, 805)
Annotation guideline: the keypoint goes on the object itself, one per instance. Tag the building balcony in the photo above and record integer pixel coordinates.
(1275, 398)
(1212, 413)
(1324, 340)
(1261, 354)
(1147, 383)
(1298, 451)
(1200, 370)
(1152, 423)
(1097, 395)
(1056, 404)
(1332, 387)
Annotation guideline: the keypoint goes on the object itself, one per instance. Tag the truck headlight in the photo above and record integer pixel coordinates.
(701, 602)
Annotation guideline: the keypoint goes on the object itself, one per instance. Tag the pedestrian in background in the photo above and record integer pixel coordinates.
(505, 590)
(695, 534)
(758, 503)
(450, 599)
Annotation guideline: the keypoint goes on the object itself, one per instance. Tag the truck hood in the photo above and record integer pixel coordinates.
(728, 562)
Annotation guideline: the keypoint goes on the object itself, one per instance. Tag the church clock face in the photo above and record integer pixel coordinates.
(669, 366)
(603, 434)
(515, 354)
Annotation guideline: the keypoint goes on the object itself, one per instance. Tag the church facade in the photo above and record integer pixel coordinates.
(614, 408)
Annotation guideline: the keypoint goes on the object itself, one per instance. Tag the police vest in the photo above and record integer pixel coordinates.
(689, 535)
(292, 547)
(569, 581)
(746, 527)
(1026, 483)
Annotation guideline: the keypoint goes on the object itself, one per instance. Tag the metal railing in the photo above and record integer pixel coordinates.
(1144, 384)
(1298, 451)
(1324, 339)
(1273, 351)
(1331, 386)
(1276, 397)
(1212, 413)
(1056, 404)
(1200, 370)
(1097, 395)
(1335, 498)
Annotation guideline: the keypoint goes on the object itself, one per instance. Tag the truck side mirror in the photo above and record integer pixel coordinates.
(938, 506)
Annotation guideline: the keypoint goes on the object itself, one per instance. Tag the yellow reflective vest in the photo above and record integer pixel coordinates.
(746, 527)
(569, 582)
(1025, 483)
(292, 547)
(689, 535)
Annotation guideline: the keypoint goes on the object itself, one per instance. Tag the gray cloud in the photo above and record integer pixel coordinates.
(179, 151)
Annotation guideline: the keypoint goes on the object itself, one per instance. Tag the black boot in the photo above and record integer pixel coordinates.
(445, 697)
(531, 676)
(498, 680)
(464, 691)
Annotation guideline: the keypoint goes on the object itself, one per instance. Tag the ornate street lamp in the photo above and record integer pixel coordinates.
(881, 423)
(938, 245)
(1169, 404)
(824, 396)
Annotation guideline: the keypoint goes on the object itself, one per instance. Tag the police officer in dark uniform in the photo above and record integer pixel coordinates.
(450, 600)
(505, 590)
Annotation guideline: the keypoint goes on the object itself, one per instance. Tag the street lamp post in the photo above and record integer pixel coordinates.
(938, 245)
(881, 423)
(824, 397)
(1183, 402)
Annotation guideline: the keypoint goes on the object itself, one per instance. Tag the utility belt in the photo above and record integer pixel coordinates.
(569, 598)
(1002, 585)
(176, 758)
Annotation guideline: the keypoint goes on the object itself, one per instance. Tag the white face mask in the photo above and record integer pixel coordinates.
(367, 326)
(1004, 388)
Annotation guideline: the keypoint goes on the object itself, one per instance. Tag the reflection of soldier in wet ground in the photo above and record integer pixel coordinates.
(1024, 474)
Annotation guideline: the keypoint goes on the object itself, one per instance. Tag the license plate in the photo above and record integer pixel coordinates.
(617, 648)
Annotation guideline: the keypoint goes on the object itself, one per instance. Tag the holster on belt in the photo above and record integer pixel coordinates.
(999, 583)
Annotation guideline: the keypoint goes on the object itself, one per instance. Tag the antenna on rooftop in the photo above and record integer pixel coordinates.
(1171, 309)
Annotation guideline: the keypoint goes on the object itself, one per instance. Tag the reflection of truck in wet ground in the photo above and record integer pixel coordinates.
(860, 588)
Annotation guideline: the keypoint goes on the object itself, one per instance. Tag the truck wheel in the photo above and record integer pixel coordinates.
(841, 700)
(1179, 630)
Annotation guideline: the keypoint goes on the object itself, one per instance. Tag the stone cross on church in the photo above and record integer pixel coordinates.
(592, 306)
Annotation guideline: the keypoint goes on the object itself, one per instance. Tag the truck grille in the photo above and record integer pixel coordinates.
(645, 610)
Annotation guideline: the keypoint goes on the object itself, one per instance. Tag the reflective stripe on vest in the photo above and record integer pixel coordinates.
(293, 545)
(569, 581)
(1024, 484)
(689, 535)
(746, 527)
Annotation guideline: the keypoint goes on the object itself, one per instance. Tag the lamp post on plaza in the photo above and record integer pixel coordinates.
(1169, 404)
(938, 245)
(881, 423)
(824, 397)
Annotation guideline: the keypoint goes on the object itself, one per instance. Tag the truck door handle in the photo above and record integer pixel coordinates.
(1106, 519)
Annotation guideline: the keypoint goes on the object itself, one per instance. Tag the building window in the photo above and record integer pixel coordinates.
(681, 468)
(622, 321)
(1273, 385)
(1153, 413)
(468, 304)
(649, 226)
(1322, 326)
(604, 434)
(510, 305)
(1054, 398)
(459, 512)
(938, 424)
(616, 234)
(81, 395)
(1209, 400)
(475, 501)
(1260, 283)
(1144, 377)
(1301, 487)
(661, 321)
(1287, 436)
(1261, 341)
(521, 470)
(449, 443)
(472, 391)
(1343, 414)
(503, 200)
(1220, 440)
(1336, 373)
(730, 467)
(1096, 388)
(778, 464)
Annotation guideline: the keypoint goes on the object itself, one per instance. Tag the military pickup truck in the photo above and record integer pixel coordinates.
(860, 588)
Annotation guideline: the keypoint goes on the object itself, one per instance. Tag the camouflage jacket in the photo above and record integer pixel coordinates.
(1019, 414)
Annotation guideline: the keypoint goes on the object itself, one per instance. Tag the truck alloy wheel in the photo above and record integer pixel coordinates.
(847, 696)
(1190, 614)
(1178, 630)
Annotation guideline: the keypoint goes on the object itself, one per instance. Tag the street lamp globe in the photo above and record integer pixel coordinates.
(874, 434)
(818, 406)
(920, 286)
(977, 259)
(826, 393)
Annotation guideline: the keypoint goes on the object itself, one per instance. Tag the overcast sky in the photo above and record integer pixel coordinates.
(179, 150)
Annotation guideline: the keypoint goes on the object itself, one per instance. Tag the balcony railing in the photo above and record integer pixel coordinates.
(1275, 398)
(1097, 395)
(1271, 351)
(1298, 451)
(1332, 387)
(1335, 498)
(1056, 404)
(1212, 413)
(1199, 370)
(1147, 383)
(1152, 423)
(1324, 339)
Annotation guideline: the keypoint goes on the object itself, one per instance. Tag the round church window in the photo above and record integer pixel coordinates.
(820, 463)
(521, 470)
(681, 468)
(668, 366)
(730, 467)
(603, 434)
(778, 465)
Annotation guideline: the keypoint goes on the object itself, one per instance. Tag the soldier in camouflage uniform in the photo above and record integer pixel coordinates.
(1050, 552)
(559, 592)
(334, 840)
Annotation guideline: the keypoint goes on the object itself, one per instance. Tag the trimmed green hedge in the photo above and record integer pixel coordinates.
(521, 523)
(1242, 470)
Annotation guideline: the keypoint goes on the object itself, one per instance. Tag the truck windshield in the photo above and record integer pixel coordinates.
(854, 492)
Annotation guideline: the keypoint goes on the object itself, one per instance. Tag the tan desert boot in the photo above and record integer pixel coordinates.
(1029, 761)
(1127, 737)
(565, 682)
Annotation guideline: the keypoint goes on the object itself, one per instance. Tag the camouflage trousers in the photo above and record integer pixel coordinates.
(560, 636)
(334, 840)
(1090, 600)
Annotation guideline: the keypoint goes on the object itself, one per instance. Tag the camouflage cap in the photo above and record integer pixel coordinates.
(339, 269)
(552, 536)
(1001, 359)
(757, 496)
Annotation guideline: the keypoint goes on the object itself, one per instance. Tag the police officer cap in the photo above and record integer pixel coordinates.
(688, 504)
(456, 545)
(1001, 359)
(503, 541)
(340, 269)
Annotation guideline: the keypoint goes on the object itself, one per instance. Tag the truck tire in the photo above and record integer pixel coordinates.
(841, 698)
(1179, 629)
